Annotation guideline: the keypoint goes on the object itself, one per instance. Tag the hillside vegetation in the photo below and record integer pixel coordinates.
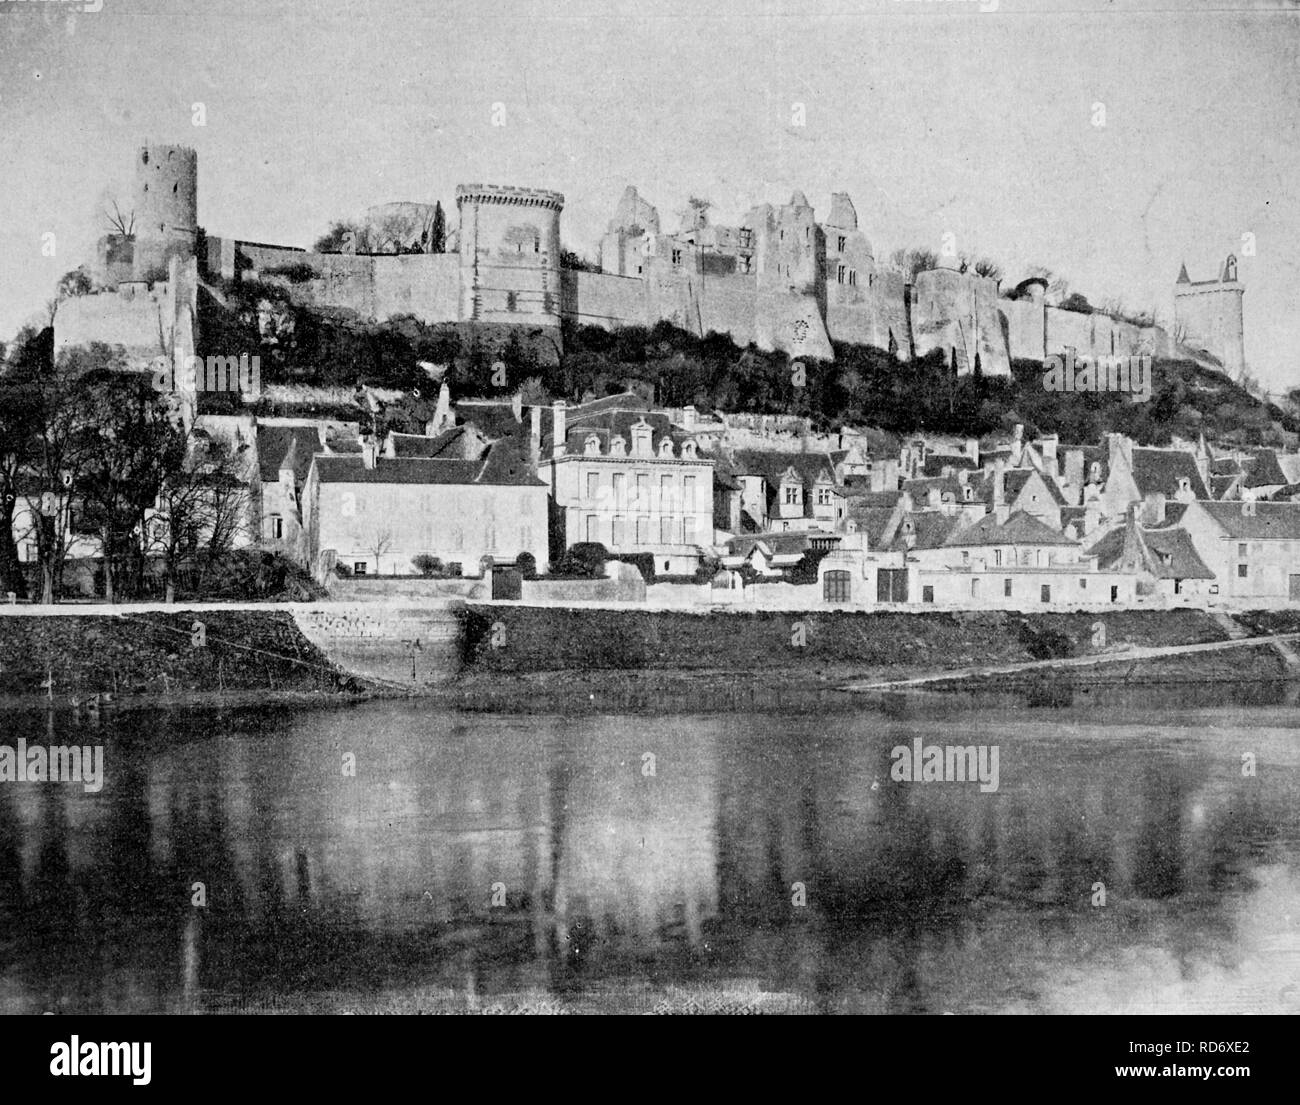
(863, 386)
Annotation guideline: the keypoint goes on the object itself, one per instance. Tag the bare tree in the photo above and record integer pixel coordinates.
(119, 223)
(380, 542)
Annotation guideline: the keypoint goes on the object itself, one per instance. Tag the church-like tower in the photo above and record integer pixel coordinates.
(1208, 316)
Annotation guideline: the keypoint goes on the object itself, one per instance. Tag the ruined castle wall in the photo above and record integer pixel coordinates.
(139, 323)
(426, 285)
(957, 311)
(870, 312)
(602, 299)
(792, 323)
(727, 305)
(1026, 327)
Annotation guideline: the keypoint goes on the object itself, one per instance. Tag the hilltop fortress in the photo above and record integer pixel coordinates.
(780, 279)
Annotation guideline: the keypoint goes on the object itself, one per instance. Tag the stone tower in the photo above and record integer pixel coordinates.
(166, 206)
(510, 255)
(790, 312)
(1207, 315)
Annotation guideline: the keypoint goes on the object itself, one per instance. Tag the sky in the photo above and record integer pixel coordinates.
(1108, 140)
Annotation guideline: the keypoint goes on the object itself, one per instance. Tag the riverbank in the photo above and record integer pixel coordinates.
(512, 656)
(164, 656)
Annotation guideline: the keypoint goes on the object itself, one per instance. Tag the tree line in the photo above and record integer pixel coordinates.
(89, 449)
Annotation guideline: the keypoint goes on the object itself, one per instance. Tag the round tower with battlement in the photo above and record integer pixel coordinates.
(510, 255)
(166, 206)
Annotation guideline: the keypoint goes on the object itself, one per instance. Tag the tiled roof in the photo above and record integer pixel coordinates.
(1264, 521)
(501, 466)
(929, 528)
(457, 443)
(1161, 469)
(276, 443)
(1019, 529)
(1265, 470)
(772, 465)
(1174, 556)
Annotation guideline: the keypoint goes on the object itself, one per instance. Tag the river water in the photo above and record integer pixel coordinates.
(1138, 854)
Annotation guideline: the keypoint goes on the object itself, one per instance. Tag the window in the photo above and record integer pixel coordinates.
(1046, 593)
(927, 594)
(1114, 594)
(665, 531)
(593, 528)
(1083, 585)
(997, 558)
(853, 278)
(974, 588)
(665, 492)
(823, 496)
(677, 257)
(643, 530)
(840, 270)
(688, 530)
(840, 246)
(965, 556)
(512, 301)
(1243, 571)
(620, 488)
(746, 238)
(620, 532)
(593, 485)
(688, 492)
(837, 586)
(277, 527)
(643, 489)
(359, 568)
(792, 495)
(1242, 550)
(1006, 588)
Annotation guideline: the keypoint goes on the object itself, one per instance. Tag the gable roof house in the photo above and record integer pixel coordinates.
(374, 512)
(1158, 550)
(1253, 548)
(782, 492)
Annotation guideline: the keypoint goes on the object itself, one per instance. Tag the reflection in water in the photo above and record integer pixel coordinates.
(1125, 864)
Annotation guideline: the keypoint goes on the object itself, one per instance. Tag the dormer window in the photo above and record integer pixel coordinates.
(618, 446)
(688, 450)
(666, 447)
(792, 494)
(1248, 508)
(591, 446)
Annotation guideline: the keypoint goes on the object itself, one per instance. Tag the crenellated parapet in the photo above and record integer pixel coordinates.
(509, 195)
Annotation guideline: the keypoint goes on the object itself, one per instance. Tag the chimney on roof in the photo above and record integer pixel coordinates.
(963, 475)
(1074, 469)
(933, 500)
(1017, 442)
(999, 483)
(1153, 508)
(535, 434)
(442, 416)
(688, 417)
(517, 406)
(369, 451)
(1118, 446)
(1047, 446)
(973, 449)
(558, 432)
